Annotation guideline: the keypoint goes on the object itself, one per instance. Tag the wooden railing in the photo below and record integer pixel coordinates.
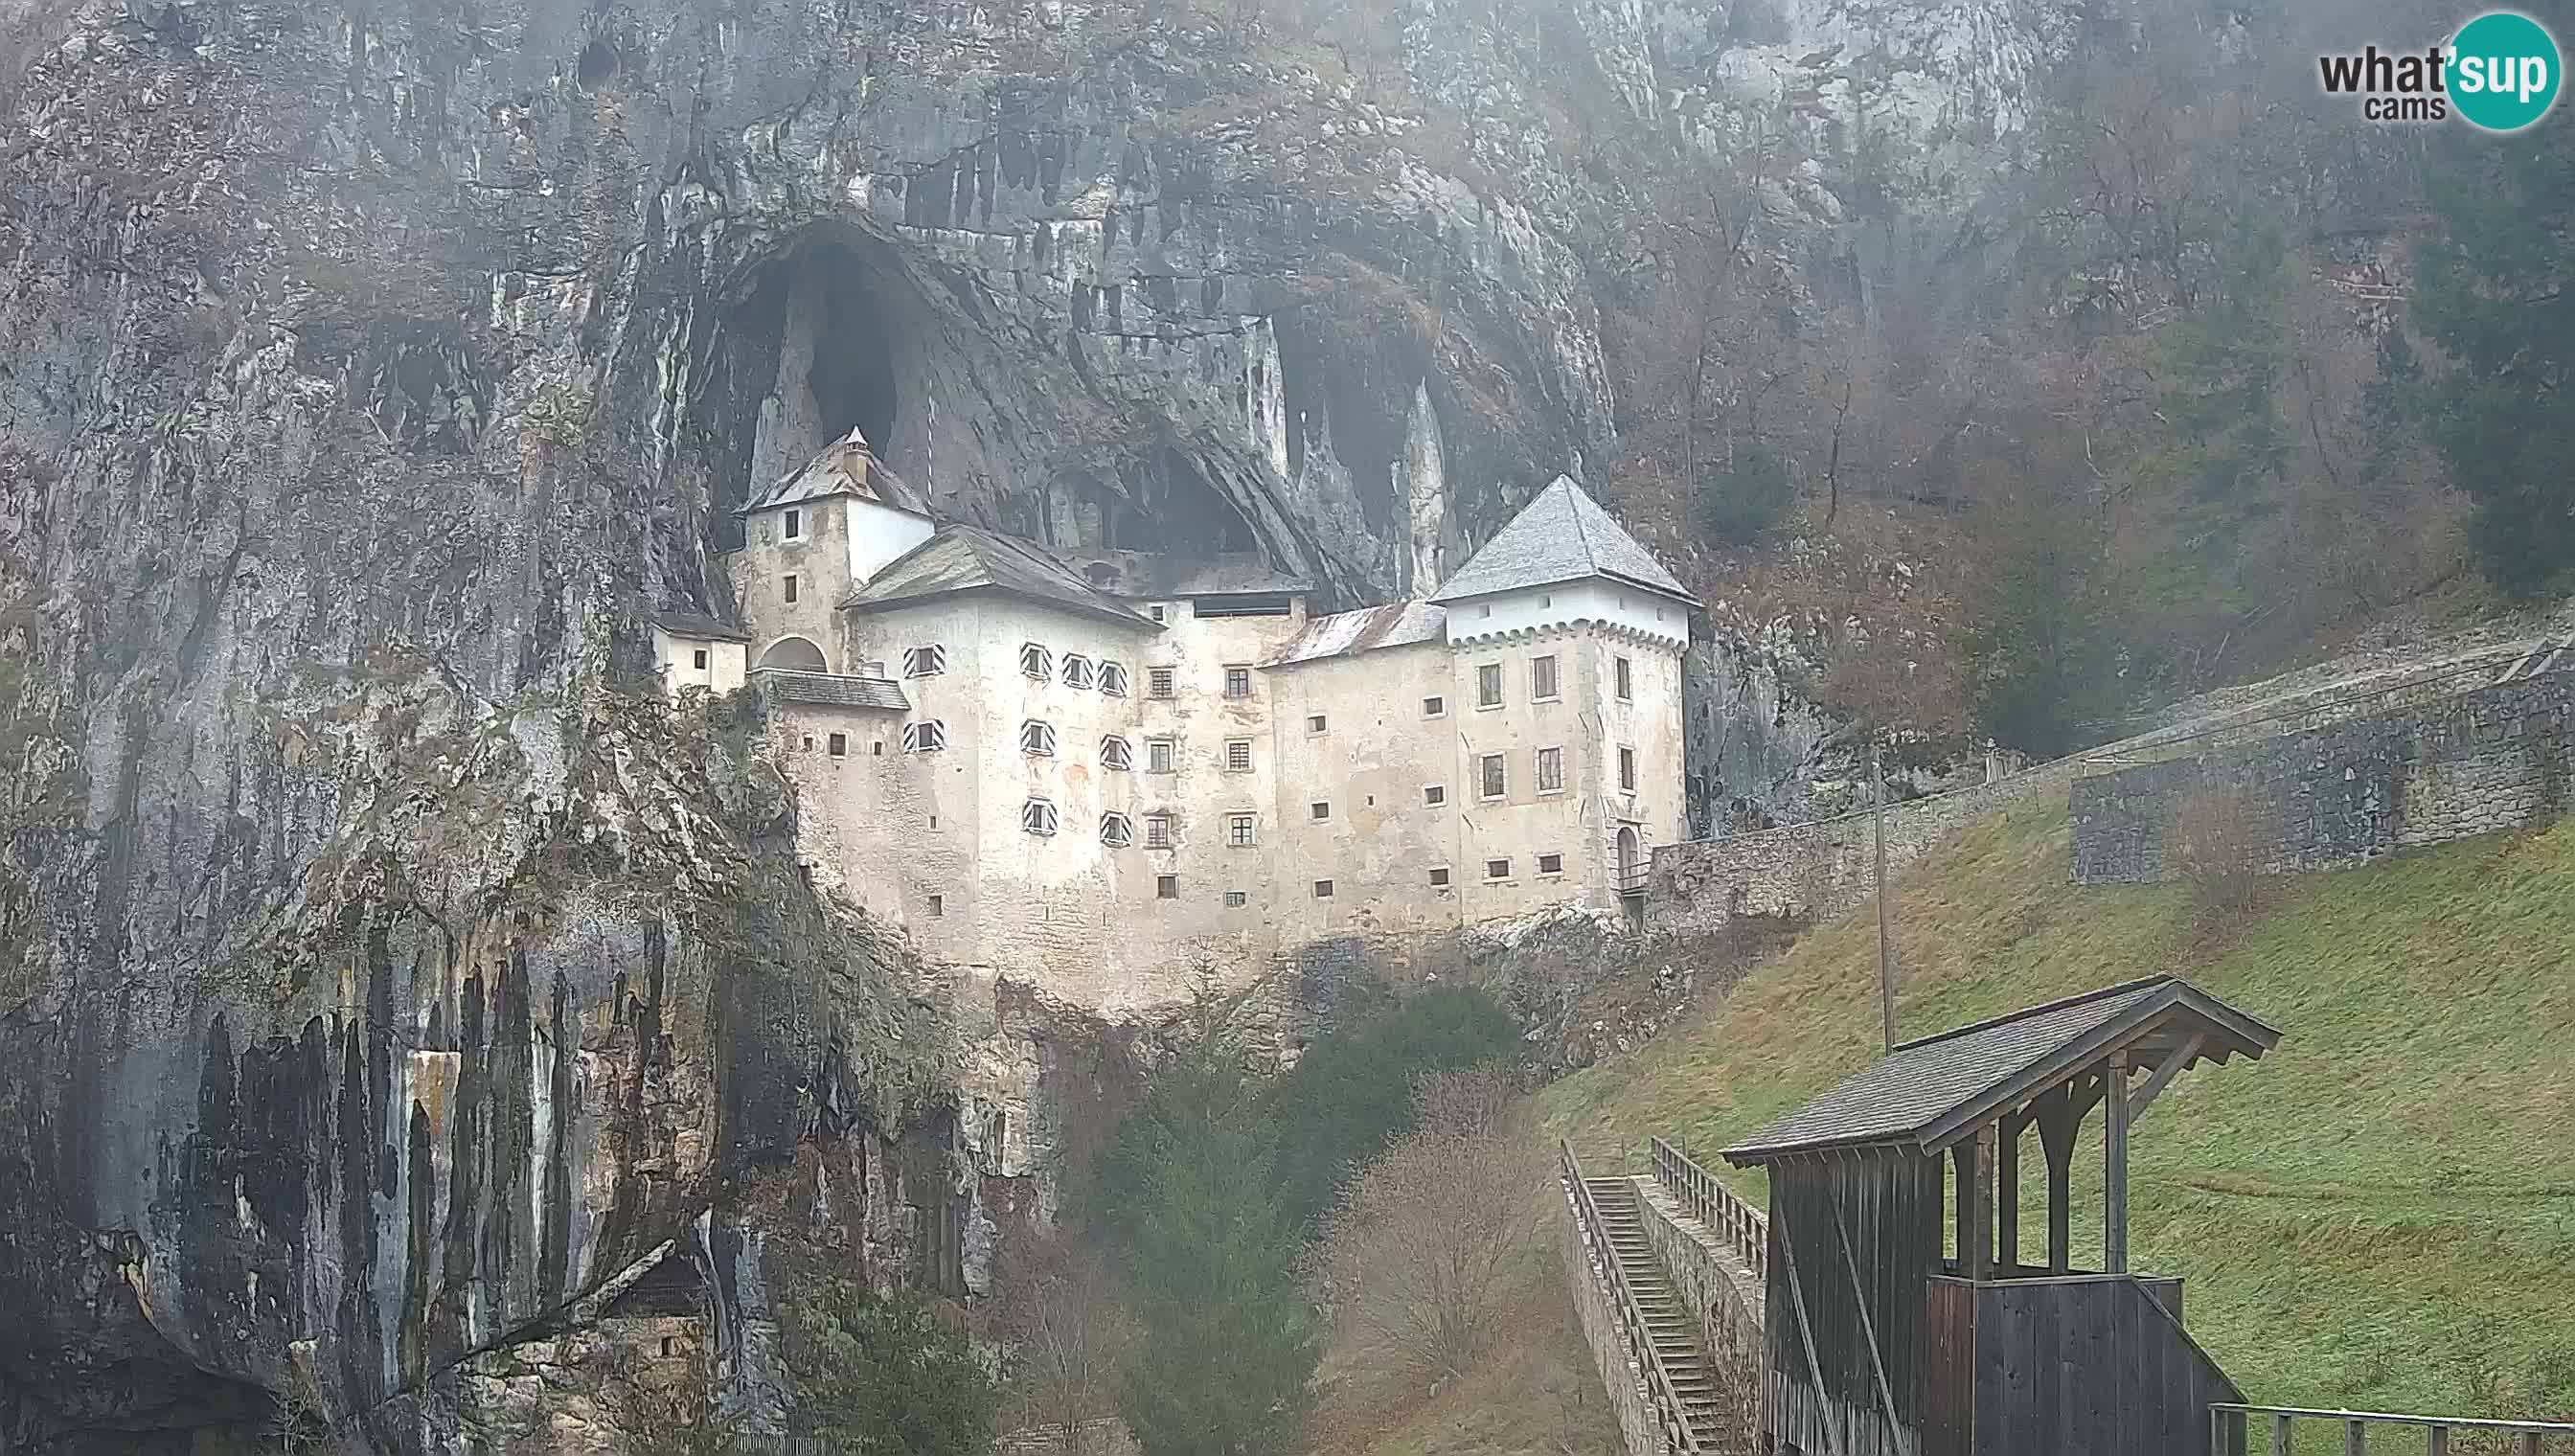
(1743, 1227)
(2231, 1427)
(1631, 1322)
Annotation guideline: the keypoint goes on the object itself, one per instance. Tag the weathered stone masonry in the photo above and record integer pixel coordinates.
(2494, 758)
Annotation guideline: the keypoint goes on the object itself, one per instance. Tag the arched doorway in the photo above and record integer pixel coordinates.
(1631, 869)
(793, 654)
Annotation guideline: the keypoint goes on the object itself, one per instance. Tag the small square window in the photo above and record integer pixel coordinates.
(840, 745)
(1077, 671)
(1440, 876)
(926, 736)
(1236, 899)
(1238, 755)
(1543, 678)
(1038, 817)
(1551, 865)
(1238, 681)
(938, 906)
(1497, 870)
(1036, 662)
(1623, 679)
(1161, 755)
(789, 586)
(876, 748)
(698, 659)
(925, 661)
(670, 1346)
(1158, 832)
(1113, 679)
(1238, 830)
(1495, 781)
(1167, 887)
(1485, 610)
(1435, 708)
(1488, 685)
(1434, 794)
(795, 525)
(1322, 889)
(1158, 681)
(1157, 610)
(808, 742)
(1114, 754)
(1313, 722)
(1627, 769)
(1320, 808)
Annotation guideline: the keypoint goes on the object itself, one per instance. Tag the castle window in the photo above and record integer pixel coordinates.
(1320, 808)
(698, 659)
(1158, 611)
(1037, 738)
(1434, 794)
(925, 661)
(1158, 832)
(1627, 769)
(1167, 887)
(1114, 754)
(1113, 679)
(808, 742)
(1313, 723)
(1158, 681)
(671, 1343)
(1625, 684)
(1236, 899)
(1038, 817)
(1238, 681)
(1488, 685)
(876, 749)
(873, 667)
(1238, 755)
(1497, 870)
(1077, 671)
(1161, 755)
(1440, 877)
(1435, 708)
(1484, 609)
(840, 745)
(926, 736)
(938, 906)
(1238, 830)
(1543, 678)
(1322, 889)
(795, 525)
(1116, 832)
(1036, 662)
(1550, 770)
(1495, 781)
(789, 586)
(1551, 865)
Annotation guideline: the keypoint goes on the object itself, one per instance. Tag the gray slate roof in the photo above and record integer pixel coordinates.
(845, 467)
(1347, 633)
(698, 626)
(831, 690)
(1915, 1094)
(1562, 536)
(1154, 574)
(960, 557)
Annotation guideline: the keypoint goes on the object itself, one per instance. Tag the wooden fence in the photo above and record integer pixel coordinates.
(2230, 1428)
(1743, 1227)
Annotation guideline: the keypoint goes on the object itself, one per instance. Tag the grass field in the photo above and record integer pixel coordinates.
(2380, 1214)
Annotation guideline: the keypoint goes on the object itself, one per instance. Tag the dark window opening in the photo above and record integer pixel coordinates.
(1273, 606)
(698, 659)
(938, 906)
(840, 745)
(1322, 889)
(1167, 887)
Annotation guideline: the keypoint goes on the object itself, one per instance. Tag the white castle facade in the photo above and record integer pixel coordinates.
(1109, 770)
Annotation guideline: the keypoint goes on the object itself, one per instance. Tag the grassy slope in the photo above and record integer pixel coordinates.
(2380, 1214)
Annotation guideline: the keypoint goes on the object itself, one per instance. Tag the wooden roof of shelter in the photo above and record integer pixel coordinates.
(1930, 1093)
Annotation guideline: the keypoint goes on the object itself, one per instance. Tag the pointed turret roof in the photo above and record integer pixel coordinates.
(1562, 536)
(846, 466)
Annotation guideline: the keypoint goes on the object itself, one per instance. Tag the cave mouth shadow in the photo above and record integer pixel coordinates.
(851, 376)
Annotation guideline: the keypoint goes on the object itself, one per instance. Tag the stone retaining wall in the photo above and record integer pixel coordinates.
(2496, 758)
(1595, 1304)
(1707, 1273)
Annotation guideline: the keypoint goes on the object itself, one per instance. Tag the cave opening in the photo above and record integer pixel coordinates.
(836, 359)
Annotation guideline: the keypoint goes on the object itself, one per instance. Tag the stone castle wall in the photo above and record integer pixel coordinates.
(2496, 758)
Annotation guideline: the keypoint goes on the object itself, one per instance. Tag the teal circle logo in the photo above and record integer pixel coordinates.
(2503, 72)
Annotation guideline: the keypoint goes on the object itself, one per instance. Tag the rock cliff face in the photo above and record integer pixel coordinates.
(389, 984)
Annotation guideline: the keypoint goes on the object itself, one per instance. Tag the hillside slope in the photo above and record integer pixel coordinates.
(2380, 1214)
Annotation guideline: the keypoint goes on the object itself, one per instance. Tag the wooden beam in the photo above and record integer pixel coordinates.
(1979, 1259)
(2007, 1192)
(1806, 1334)
(2114, 1169)
(2060, 1118)
(2144, 1096)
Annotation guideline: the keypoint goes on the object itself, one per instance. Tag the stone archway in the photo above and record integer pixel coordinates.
(794, 654)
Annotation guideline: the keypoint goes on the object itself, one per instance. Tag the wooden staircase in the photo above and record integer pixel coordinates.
(1669, 1323)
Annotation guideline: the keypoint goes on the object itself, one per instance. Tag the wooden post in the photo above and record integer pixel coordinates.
(2114, 1170)
(2060, 1117)
(2007, 1194)
(1976, 1247)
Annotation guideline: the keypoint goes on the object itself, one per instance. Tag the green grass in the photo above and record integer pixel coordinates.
(2380, 1214)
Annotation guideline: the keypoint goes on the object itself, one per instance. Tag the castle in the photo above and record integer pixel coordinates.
(1126, 767)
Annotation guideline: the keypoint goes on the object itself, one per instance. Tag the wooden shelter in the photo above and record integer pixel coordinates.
(1888, 1338)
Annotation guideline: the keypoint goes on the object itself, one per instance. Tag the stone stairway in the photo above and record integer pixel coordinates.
(1669, 1323)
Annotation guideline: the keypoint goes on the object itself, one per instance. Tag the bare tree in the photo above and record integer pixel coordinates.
(1413, 1262)
(1069, 1333)
(2214, 840)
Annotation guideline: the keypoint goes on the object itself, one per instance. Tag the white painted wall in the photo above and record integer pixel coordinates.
(723, 672)
(878, 535)
(1599, 602)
